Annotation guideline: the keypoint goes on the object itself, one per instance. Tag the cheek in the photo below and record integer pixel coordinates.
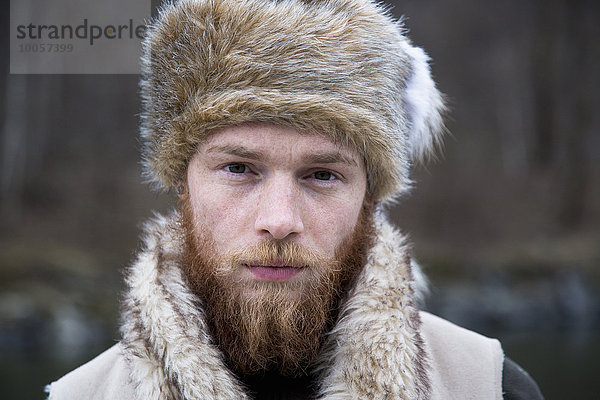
(223, 216)
(331, 226)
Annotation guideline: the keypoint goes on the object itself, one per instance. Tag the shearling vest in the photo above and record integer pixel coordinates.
(381, 347)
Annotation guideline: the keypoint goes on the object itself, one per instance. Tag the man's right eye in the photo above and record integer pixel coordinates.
(237, 168)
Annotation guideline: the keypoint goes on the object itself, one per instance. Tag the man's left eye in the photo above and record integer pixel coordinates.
(237, 168)
(323, 175)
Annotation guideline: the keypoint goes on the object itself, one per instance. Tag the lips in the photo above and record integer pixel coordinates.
(275, 272)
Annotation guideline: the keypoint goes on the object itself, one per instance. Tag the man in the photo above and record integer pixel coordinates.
(284, 127)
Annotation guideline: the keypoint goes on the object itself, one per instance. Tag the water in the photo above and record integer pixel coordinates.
(565, 367)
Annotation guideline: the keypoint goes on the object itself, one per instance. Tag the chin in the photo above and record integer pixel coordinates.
(272, 289)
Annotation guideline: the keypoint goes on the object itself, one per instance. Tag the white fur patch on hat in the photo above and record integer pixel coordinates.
(424, 105)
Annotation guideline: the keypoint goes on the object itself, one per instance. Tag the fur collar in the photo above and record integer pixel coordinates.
(375, 350)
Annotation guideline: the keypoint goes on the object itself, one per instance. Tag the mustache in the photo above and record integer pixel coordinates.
(278, 253)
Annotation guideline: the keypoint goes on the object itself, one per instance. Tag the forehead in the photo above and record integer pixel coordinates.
(279, 142)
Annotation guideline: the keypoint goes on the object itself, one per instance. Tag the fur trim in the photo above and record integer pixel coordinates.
(164, 333)
(375, 350)
(340, 67)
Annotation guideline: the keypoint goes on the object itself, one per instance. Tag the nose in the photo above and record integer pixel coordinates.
(279, 213)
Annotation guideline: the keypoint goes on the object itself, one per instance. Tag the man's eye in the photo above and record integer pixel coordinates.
(237, 168)
(323, 175)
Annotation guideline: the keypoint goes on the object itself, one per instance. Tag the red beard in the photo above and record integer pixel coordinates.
(266, 325)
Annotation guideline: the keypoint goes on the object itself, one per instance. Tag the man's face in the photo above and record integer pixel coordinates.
(273, 238)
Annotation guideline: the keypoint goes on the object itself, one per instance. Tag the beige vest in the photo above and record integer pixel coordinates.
(463, 365)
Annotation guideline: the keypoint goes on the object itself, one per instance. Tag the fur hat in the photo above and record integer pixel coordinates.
(339, 67)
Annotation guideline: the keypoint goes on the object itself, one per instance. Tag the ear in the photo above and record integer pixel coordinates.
(424, 106)
(181, 189)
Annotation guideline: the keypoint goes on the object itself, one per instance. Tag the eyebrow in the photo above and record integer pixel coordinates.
(328, 158)
(332, 157)
(238, 151)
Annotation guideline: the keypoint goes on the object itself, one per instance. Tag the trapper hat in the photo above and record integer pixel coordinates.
(343, 68)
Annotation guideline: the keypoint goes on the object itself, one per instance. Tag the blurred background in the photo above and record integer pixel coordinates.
(505, 223)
